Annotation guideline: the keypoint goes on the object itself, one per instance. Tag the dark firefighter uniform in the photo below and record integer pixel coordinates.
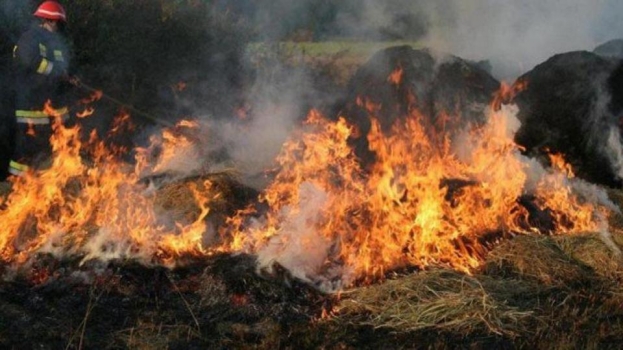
(40, 66)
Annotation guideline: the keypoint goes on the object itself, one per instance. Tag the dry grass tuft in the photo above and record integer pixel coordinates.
(146, 335)
(590, 250)
(438, 299)
(538, 258)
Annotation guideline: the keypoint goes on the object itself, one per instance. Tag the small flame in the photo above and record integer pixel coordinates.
(172, 149)
(559, 163)
(85, 113)
(31, 130)
(507, 93)
(51, 111)
(395, 77)
(180, 86)
(95, 96)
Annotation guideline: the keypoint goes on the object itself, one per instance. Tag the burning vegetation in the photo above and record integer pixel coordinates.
(426, 200)
(442, 223)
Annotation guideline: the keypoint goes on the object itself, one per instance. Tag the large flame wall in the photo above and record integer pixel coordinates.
(426, 200)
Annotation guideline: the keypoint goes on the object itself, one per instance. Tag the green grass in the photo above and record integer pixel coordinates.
(359, 49)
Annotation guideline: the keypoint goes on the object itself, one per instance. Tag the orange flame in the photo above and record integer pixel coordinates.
(99, 211)
(95, 96)
(395, 77)
(507, 93)
(426, 201)
(180, 86)
(31, 130)
(559, 163)
(51, 111)
(169, 150)
(85, 113)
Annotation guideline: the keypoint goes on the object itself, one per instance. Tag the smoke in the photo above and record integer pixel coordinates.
(513, 35)
(602, 132)
(277, 103)
(299, 247)
(614, 150)
(517, 35)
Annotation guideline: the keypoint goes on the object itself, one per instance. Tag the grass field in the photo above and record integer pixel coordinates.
(359, 49)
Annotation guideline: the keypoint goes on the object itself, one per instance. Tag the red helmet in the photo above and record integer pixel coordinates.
(50, 10)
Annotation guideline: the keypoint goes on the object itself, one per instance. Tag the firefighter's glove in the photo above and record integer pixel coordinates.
(71, 79)
(74, 80)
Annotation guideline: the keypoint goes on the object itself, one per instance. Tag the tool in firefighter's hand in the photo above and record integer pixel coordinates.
(78, 83)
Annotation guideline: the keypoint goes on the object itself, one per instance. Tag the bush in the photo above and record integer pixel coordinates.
(140, 50)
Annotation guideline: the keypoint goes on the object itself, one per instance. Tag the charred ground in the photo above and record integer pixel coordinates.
(544, 292)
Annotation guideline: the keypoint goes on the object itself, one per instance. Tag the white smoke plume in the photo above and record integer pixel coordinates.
(513, 35)
(517, 35)
(614, 150)
(299, 247)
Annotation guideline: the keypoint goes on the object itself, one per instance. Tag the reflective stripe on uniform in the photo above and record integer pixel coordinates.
(58, 55)
(31, 114)
(37, 121)
(45, 67)
(43, 51)
(16, 168)
(40, 117)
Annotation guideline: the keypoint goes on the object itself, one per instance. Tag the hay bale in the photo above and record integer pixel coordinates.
(177, 200)
(449, 91)
(226, 195)
(567, 108)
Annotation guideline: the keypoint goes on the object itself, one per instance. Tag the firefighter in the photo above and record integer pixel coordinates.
(41, 63)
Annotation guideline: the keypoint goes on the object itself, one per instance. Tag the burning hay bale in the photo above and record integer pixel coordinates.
(440, 190)
(175, 199)
(572, 106)
(101, 208)
(447, 90)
